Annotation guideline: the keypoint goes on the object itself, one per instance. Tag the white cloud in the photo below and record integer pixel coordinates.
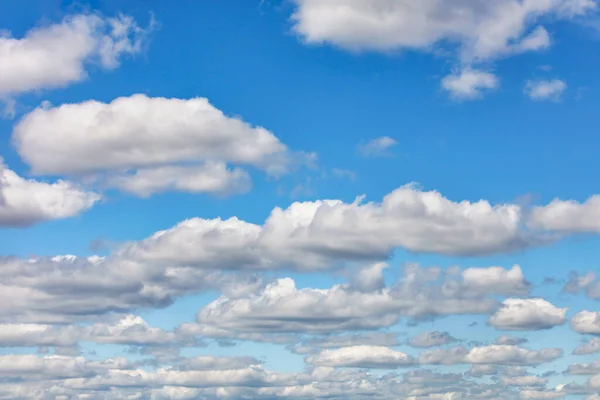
(492, 355)
(471, 32)
(540, 394)
(212, 177)
(315, 343)
(568, 216)
(511, 355)
(586, 322)
(527, 314)
(431, 339)
(526, 380)
(55, 55)
(66, 289)
(592, 368)
(362, 357)
(30, 335)
(469, 84)
(377, 147)
(281, 307)
(318, 234)
(147, 132)
(145, 145)
(496, 280)
(129, 329)
(590, 347)
(510, 340)
(369, 278)
(577, 283)
(483, 29)
(25, 202)
(545, 90)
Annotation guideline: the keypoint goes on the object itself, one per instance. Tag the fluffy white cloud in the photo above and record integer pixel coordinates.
(281, 307)
(492, 355)
(317, 234)
(377, 147)
(483, 29)
(527, 314)
(545, 90)
(55, 55)
(469, 84)
(212, 177)
(140, 131)
(145, 145)
(568, 216)
(25, 202)
(131, 330)
(495, 280)
(362, 357)
(586, 322)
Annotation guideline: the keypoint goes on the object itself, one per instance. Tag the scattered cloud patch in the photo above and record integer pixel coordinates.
(545, 90)
(469, 84)
(377, 147)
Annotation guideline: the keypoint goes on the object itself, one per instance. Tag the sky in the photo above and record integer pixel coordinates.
(303, 199)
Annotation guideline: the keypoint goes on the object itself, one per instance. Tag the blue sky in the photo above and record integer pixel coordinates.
(468, 127)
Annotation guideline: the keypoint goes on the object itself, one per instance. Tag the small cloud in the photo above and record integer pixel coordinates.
(469, 84)
(545, 90)
(343, 173)
(377, 147)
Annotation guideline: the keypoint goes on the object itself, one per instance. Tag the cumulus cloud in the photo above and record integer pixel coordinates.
(545, 90)
(578, 282)
(283, 308)
(25, 202)
(52, 56)
(525, 380)
(316, 343)
(469, 84)
(431, 339)
(510, 340)
(592, 368)
(527, 314)
(540, 394)
(163, 144)
(589, 347)
(377, 147)
(568, 216)
(496, 280)
(492, 355)
(362, 357)
(68, 288)
(586, 322)
(324, 232)
(482, 29)
(145, 130)
(213, 178)
(471, 32)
